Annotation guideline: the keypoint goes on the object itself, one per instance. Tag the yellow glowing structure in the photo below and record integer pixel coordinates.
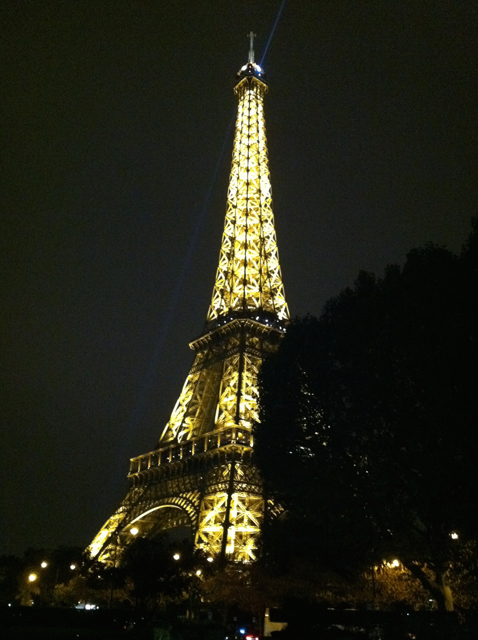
(200, 475)
(249, 276)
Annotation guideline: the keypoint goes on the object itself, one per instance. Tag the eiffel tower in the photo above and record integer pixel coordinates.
(200, 475)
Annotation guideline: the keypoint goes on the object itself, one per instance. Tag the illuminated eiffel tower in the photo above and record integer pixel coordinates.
(200, 475)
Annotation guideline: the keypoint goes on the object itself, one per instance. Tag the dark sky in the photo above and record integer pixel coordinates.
(115, 151)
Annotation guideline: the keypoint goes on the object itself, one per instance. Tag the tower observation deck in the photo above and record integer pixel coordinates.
(200, 475)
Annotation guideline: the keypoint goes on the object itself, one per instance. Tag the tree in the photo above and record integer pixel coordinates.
(11, 568)
(372, 410)
(245, 587)
(156, 570)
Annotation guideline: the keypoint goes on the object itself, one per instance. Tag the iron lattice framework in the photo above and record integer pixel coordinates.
(201, 475)
(249, 277)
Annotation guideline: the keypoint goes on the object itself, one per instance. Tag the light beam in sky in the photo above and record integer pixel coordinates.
(279, 13)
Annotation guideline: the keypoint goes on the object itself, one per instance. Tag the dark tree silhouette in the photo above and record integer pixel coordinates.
(157, 570)
(368, 420)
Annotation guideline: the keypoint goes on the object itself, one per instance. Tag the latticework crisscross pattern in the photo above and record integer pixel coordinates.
(249, 276)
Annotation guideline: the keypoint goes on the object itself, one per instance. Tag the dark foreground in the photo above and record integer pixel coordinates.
(34, 623)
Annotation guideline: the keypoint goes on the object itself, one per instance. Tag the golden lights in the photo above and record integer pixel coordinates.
(247, 316)
(249, 276)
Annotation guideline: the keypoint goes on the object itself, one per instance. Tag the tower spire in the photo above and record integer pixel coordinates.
(200, 475)
(251, 37)
(249, 280)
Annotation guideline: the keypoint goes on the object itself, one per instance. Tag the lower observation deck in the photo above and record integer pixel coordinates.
(228, 439)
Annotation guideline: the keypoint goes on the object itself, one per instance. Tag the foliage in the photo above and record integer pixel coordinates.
(11, 568)
(156, 570)
(392, 587)
(463, 575)
(49, 567)
(80, 590)
(372, 409)
(244, 586)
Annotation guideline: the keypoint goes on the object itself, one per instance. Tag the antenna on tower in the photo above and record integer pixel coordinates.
(251, 37)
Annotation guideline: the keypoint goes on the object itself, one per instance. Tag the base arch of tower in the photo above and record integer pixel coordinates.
(172, 519)
(182, 510)
(175, 516)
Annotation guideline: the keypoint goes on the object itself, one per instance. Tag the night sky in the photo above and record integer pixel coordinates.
(116, 138)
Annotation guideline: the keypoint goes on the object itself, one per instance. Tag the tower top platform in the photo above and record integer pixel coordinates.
(251, 69)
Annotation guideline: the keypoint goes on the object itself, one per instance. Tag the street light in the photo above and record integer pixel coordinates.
(72, 567)
(44, 564)
(134, 531)
(32, 577)
(176, 556)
